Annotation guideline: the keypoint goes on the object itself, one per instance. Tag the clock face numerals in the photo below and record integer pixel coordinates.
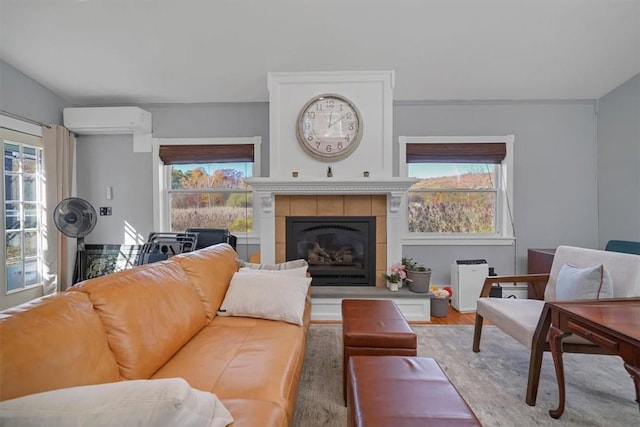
(329, 127)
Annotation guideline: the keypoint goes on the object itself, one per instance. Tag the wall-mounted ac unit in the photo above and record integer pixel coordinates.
(111, 121)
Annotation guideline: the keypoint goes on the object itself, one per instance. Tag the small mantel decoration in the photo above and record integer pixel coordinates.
(394, 275)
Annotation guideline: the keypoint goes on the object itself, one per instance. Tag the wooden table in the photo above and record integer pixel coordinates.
(612, 324)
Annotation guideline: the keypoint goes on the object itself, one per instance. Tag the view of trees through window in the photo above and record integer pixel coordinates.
(452, 198)
(212, 195)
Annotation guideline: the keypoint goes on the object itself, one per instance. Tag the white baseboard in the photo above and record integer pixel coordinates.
(414, 309)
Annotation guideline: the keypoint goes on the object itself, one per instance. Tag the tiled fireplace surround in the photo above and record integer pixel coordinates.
(383, 198)
(334, 205)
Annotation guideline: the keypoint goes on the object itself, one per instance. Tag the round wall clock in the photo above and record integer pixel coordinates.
(329, 127)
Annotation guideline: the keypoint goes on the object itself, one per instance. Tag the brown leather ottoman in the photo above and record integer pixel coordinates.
(403, 391)
(374, 328)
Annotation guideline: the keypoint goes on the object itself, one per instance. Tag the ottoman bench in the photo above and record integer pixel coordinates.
(374, 328)
(403, 391)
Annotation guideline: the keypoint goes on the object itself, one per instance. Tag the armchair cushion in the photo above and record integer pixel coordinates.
(516, 317)
(623, 268)
(583, 283)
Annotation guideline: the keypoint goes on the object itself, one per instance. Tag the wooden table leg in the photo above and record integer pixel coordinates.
(555, 342)
(634, 371)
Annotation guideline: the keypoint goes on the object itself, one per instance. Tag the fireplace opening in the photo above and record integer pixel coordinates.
(339, 250)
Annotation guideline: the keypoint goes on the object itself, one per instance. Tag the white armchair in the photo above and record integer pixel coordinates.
(527, 320)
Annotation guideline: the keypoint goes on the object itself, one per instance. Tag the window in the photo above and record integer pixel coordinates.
(202, 183)
(23, 195)
(463, 191)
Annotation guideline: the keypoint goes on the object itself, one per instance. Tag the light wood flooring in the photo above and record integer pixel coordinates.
(454, 317)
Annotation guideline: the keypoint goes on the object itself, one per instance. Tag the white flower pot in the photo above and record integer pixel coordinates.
(393, 286)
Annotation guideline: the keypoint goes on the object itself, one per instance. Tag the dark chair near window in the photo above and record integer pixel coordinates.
(624, 246)
(161, 246)
(213, 236)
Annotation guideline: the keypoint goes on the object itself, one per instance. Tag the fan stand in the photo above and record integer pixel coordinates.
(79, 267)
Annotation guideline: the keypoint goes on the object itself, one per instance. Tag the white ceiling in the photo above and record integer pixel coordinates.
(163, 51)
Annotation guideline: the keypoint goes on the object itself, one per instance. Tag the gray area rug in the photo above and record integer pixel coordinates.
(493, 382)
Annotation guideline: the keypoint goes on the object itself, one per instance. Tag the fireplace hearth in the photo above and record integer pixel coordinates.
(339, 250)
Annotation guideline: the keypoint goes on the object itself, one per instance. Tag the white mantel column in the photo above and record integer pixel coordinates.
(394, 226)
(267, 227)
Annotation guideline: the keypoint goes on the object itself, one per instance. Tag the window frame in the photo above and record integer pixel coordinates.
(24, 135)
(505, 234)
(162, 180)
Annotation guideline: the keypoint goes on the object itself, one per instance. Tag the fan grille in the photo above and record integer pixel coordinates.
(75, 217)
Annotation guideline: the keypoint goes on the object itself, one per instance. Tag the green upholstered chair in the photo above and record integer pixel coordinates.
(625, 246)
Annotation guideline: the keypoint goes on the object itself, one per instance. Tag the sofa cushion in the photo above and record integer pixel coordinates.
(575, 283)
(53, 342)
(247, 358)
(149, 312)
(296, 263)
(267, 296)
(154, 403)
(209, 271)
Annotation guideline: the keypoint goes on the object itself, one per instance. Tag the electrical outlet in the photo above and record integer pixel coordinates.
(105, 210)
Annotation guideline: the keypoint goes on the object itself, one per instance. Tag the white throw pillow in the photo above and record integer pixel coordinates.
(155, 403)
(300, 271)
(575, 283)
(266, 296)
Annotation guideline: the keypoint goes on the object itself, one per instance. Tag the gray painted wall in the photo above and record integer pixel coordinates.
(551, 206)
(555, 162)
(109, 160)
(619, 163)
(27, 98)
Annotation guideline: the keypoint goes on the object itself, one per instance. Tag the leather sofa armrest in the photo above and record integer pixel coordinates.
(537, 282)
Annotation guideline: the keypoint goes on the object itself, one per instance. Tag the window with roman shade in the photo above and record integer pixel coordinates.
(463, 186)
(202, 183)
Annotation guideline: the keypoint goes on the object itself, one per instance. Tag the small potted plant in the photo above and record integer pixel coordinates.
(418, 275)
(440, 301)
(394, 276)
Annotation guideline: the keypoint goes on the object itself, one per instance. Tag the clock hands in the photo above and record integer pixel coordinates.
(339, 120)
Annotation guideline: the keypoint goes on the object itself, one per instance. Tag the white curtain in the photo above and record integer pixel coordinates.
(59, 158)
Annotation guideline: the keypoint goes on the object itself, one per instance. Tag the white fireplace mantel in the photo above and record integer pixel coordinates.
(332, 186)
(266, 188)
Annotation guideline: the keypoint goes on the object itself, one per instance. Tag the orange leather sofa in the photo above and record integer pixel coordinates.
(157, 321)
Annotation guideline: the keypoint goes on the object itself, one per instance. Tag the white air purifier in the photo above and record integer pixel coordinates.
(466, 284)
